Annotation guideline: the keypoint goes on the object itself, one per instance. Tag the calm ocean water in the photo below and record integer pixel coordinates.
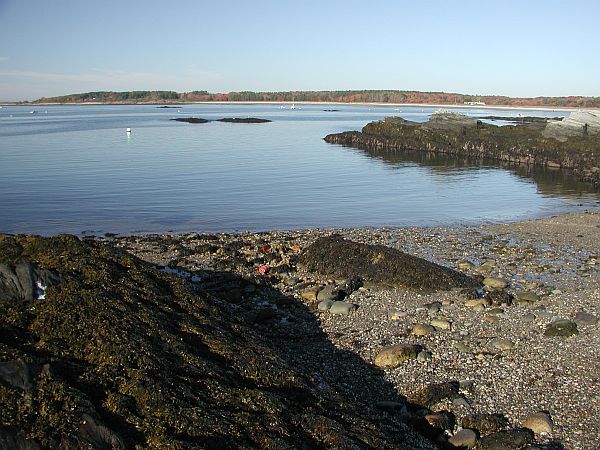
(74, 169)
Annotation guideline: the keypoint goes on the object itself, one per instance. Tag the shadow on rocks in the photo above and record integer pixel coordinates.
(121, 354)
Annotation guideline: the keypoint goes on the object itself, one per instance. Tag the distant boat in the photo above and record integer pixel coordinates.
(293, 106)
(33, 112)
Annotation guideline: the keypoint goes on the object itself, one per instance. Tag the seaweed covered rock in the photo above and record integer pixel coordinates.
(337, 256)
(119, 354)
(570, 144)
(434, 393)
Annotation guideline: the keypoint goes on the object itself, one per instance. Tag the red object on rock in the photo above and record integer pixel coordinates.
(263, 269)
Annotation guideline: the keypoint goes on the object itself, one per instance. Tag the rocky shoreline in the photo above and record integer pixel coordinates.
(571, 144)
(338, 356)
(500, 348)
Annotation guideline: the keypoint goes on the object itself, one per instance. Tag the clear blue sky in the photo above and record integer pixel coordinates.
(516, 48)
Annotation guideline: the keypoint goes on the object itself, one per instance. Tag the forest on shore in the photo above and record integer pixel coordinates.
(358, 96)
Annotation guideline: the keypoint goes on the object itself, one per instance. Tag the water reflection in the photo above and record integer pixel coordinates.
(451, 168)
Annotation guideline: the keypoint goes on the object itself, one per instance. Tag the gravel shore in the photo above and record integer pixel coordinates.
(500, 351)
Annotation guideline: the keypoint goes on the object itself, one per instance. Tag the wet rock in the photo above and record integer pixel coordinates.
(465, 265)
(325, 305)
(461, 347)
(487, 266)
(329, 292)
(350, 285)
(498, 297)
(461, 402)
(434, 393)
(344, 308)
(485, 423)
(13, 440)
(395, 355)
(16, 373)
(506, 440)
(391, 407)
(242, 120)
(527, 297)
(496, 283)
(422, 329)
(468, 294)
(424, 356)
(337, 256)
(539, 422)
(528, 318)
(158, 356)
(190, 120)
(94, 435)
(477, 302)
(491, 318)
(444, 420)
(433, 307)
(291, 281)
(397, 314)
(584, 318)
(463, 438)
(562, 328)
(264, 315)
(24, 282)
(310, 294)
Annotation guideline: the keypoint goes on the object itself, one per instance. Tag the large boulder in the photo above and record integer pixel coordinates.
(579, 123)
(336, 256)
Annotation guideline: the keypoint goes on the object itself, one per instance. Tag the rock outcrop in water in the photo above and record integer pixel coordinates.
(119, 354)
(225, 119)
(455, 134)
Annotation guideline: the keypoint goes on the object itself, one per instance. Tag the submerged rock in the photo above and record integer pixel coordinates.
(337, 256)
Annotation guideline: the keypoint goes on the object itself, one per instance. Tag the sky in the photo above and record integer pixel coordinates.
(522, 48)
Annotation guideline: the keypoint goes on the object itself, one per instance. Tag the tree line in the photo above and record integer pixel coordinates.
(351, 96)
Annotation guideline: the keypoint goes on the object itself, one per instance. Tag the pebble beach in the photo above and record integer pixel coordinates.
(532, 351)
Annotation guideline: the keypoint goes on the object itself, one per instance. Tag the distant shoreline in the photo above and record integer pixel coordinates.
(418, 105)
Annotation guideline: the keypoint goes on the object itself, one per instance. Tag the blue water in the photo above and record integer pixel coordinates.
(74, 169)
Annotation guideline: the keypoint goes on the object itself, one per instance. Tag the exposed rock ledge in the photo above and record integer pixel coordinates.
(456, 134)
(225, 119)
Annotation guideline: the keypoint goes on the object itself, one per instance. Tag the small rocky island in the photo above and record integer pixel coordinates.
(572, 143)
(225, 120)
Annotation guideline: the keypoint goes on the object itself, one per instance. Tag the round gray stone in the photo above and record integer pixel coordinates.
(324, 305)
(342, 308)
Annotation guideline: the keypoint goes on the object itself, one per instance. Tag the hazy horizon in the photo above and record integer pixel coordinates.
(511, 48)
